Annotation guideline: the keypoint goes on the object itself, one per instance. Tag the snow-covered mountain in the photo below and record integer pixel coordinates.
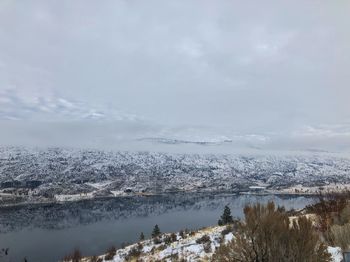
(57, 171)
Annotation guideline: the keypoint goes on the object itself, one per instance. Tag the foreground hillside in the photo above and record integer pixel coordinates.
(186, 246)
(34, 175)
(319, 233)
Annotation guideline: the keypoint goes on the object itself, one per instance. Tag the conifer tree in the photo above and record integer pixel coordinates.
(142, 236)
(156, 231)
(226, 217)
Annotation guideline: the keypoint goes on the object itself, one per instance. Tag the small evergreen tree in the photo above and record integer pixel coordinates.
(142, 236)
(156, 231)
(226, 217)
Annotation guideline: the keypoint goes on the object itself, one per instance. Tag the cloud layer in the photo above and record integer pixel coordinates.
(262, 72)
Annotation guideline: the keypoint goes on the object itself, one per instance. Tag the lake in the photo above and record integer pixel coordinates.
(47, 232)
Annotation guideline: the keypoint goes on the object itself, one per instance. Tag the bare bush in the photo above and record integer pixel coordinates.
(344, 216)
(173, 237)
(341, 236)
(96, 259)
(111, 253)
(133, 253)
(167, 240)
(266, 235)
(75, 256)
(228, 229)
(329, 207)
(207, 247)
(204, 239)
(161, 247)
(182, 234)
(157, 240)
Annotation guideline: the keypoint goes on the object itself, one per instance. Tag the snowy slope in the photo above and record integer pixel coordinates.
(67, 174)
(186, 247)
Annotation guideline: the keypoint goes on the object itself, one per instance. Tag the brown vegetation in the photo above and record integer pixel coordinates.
(341, 236)
(228, 229)
(329, 207)
(204, 239)
(333, 212)
(267, 235)
(111, 253)
(75, 256)
(95, 259)
(134, 252)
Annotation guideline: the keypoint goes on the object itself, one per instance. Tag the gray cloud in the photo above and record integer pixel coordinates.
(270, 74)
(15, 105)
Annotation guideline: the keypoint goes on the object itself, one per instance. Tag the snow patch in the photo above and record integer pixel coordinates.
(336, 253)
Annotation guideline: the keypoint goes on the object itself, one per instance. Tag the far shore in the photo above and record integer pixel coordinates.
(131, 195)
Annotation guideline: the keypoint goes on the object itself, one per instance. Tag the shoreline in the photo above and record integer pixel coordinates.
(213, 193)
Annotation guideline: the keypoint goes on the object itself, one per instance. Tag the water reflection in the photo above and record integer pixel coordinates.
(48, 232)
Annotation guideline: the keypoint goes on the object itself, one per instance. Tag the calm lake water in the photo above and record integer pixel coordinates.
(44, 233)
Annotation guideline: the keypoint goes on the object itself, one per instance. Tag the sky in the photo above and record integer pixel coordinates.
(121, 74)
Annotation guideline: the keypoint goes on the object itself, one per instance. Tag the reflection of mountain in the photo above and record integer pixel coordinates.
(59, 216)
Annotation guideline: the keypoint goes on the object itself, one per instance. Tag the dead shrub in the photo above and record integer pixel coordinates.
(207, 247)
(341, 236)
(173, 237)
(133, 253)
(95, 259)
(204, 239)
(266, 235)
(110, 253)
(139, 246)
(167, 240)
(228, 229)
(344, 216)
(329, 207)
(75, 256)
(161, 247)
(157, 241)
(182, 234)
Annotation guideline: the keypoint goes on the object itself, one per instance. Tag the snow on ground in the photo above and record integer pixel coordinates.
(336, 254)
(188, 247)
(312, 217)
(73, 197)
(185, 247)
(100, 185)
(300, 189)
(228, 237)
(118, 193)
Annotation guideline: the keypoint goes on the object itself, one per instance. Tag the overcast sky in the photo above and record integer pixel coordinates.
(265, 74)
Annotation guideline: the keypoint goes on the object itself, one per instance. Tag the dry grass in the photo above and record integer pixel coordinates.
(341, 236)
